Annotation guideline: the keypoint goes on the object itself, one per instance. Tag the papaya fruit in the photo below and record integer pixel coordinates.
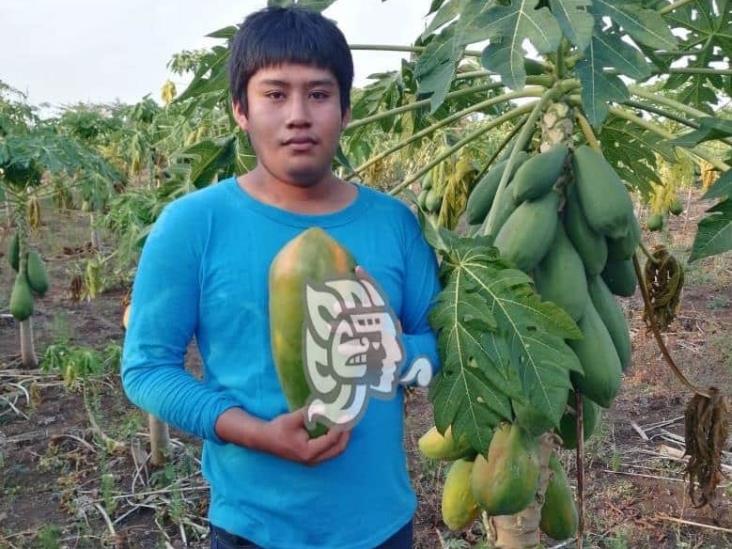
(612, 317)
(459, 508)
(538, 174)
(534, 67)
(526, 236)
(36, 272)
(655, 222)
(568, 424)
(560, 276)
(590, 245)
(14, 252)
(501, 209)
(432, 201)
(624, 247)
(21, 298)
(427, 181)
(620, 277)
(482, 195)
(559, 518)
(421, 199)
(505, 481)
(676, 207)
(601, 368)
(604, 198)
(437, 446)
(311, 256)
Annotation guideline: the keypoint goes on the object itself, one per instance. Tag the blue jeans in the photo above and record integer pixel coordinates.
(221, 539)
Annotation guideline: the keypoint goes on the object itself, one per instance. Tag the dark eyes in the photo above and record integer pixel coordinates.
(279, 96)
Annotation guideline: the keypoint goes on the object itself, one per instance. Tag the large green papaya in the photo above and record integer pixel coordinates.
(482, 195)
(568, 424)
(501, 209)
(560, 276)
(459, 508)
(559, 518)
(602, 372)
(37, 275)
(437, 446)
(14, 252)
(312, 256)
(624, 248)
(604, 198)
(620, 277)
(505, 482)
(538, 174)
(613, 318)
(526, 236)
(590, 245)
(21, 298)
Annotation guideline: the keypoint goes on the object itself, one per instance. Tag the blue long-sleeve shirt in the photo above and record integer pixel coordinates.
(203, 272)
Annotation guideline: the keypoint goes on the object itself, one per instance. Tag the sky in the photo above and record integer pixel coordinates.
(70, 51)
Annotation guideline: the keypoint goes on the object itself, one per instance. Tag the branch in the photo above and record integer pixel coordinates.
(419, 104)
(406, 49)
(663, 132)
(528, 92)
(663, 100)
(526, 132)
(460, 144)
(657, 334)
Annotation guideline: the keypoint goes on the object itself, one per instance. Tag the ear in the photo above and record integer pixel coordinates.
(239, 116)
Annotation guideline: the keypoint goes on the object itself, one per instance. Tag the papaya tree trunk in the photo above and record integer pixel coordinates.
(521, 531)
(159, 440)
(95, 239)
(27, 348)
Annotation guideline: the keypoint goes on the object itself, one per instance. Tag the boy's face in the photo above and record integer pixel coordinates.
(294, 121)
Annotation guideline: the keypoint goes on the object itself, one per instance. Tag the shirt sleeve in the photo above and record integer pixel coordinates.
(421, 287)
(163, 320)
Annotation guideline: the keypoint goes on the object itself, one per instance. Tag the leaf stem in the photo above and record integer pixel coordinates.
(528, 92)
(460, 144)
(406, 49)
(587, 132)
(419, 104)
(661, 100)
(658, 130)
(646, 252)
(675, 5)
(523, 138)
(654, 328)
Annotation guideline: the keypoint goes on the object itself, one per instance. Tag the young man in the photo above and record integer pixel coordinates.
(204, 273)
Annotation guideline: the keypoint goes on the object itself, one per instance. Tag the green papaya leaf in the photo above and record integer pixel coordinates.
(498, 341)
(575, 20)
(722, 187)
(709, 128)
(643, 25)
(714, 233)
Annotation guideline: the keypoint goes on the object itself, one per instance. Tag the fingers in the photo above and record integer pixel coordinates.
(341, 441)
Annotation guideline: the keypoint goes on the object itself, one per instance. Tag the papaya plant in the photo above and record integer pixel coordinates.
(29, 150)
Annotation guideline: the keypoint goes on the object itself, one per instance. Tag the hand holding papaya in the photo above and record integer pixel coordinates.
(287, 437)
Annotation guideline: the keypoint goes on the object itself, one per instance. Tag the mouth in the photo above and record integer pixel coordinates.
(300, 143)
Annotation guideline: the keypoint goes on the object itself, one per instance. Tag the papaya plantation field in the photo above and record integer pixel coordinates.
(64, 484)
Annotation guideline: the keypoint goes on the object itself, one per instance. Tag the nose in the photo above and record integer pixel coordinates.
(299, 113)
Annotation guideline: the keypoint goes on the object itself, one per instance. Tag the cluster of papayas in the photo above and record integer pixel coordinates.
(566, 219)
(502, 481)
(31, 279)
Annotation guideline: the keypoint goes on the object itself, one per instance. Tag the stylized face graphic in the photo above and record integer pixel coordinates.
(352, 348)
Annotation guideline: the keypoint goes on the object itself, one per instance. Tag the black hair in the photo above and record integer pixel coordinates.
(272, 36)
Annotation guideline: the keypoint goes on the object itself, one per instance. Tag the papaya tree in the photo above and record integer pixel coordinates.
(28, 151)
